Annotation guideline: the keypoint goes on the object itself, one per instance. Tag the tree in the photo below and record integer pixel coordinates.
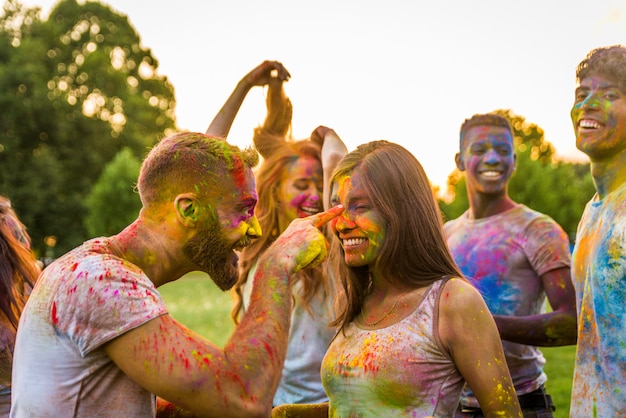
(112, 203)
(557, 188)
(75, 89)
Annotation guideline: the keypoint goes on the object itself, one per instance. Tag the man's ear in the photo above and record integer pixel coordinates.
(187, 209)
(459, 162)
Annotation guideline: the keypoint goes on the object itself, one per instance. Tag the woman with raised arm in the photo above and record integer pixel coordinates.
(290, 185)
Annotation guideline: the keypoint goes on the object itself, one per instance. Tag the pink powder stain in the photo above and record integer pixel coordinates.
(300, 199)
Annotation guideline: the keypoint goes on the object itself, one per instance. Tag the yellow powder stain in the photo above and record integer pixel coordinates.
(366, 354)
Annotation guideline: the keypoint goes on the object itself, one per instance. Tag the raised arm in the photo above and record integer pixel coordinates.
(259, 76)
(276, 128)
(171, 361)
(333, 150)
(555, 328)
(469, 332)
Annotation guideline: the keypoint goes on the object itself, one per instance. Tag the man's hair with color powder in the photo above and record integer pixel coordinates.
(486, 119)
(189, 162)
(608, 62)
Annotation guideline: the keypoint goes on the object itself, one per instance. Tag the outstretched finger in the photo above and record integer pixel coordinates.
(322, 218)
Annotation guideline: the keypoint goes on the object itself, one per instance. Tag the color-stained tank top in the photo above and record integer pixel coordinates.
(399, 371)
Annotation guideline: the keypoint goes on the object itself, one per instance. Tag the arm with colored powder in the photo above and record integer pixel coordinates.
(469, 333)
(178, 365)
(262, 75)
(551, 329)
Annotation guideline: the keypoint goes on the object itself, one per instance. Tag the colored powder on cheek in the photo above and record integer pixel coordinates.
(298, 200)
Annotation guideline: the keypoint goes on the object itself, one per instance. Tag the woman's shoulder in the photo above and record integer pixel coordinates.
(457, 292)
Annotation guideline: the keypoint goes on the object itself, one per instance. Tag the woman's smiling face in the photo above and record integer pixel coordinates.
(300, 190)
(360, 228)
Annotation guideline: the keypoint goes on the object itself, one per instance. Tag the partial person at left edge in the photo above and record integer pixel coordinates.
(18, 273)
(96, 339)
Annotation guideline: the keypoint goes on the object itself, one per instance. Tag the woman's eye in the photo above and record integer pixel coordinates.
(301, 185)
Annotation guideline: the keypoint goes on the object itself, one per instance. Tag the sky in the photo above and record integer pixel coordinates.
(406, 71)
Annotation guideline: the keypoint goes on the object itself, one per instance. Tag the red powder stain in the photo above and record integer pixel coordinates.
(55, 318)
(218, 386)
(268, 349)
(74, 266)
(239, 174)
(369, 363)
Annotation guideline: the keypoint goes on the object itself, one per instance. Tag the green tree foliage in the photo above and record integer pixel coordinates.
(74, 90)
(112, 203)
(557, 188)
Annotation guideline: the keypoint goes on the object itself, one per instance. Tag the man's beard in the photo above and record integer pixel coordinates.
(211, 251)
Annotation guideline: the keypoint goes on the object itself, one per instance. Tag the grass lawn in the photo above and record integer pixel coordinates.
(560, 368)
(198, 303)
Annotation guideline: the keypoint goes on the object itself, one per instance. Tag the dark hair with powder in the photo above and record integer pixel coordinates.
(486, 119)
(608, 62)
(189, 161)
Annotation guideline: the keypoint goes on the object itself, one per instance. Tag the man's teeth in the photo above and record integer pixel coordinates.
(490, 173)
(589, 124)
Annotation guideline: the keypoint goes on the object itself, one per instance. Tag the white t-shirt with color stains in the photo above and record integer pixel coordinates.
(82, 301)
